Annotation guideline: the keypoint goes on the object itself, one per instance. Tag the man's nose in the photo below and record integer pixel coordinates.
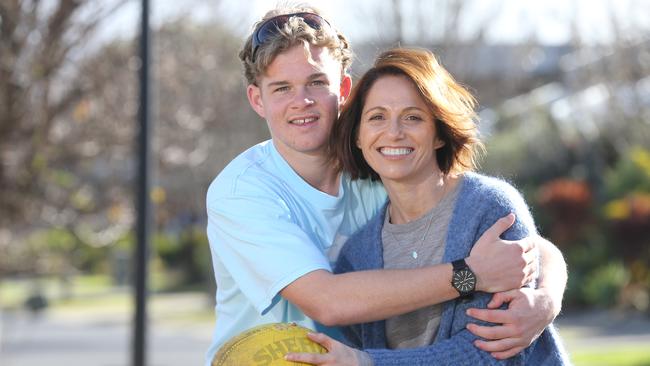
(303, 98)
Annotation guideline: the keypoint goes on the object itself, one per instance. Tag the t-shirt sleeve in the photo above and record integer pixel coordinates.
(262, 248)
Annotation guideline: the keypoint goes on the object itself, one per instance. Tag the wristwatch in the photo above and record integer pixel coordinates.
(463, 279)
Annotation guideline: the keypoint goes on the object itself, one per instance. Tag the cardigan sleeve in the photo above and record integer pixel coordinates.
(457, 350)
(500, 198)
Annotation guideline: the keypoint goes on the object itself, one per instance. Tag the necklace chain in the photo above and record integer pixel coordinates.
(414, 252)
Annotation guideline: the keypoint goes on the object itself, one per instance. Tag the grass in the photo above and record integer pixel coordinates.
(95, 295)
(623, 356)
(629, 352)
(14, 292)
(82, 288)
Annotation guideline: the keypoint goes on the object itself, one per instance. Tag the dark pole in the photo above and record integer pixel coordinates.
(143, 201)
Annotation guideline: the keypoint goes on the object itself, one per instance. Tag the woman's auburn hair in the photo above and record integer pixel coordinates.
(451, 105)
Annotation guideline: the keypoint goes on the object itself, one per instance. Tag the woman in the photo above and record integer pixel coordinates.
(411, 125)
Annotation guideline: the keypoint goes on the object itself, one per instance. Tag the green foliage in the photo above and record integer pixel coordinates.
(57, 251)
(589, 197)
(630, 174)
(186, 254)
(168, 247)
(584, 259)
(61, 178)
(607, 242)
(602, 285)
(55, 240)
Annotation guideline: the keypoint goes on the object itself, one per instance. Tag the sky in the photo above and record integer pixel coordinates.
(510, 21)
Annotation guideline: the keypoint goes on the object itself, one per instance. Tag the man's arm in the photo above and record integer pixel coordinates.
(553, 274)
(268, 255)
(529, 310)
(364, 296)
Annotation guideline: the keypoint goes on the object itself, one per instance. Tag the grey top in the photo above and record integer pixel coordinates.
(400, 241)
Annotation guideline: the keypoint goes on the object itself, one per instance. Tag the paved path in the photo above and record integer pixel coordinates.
(71, 338)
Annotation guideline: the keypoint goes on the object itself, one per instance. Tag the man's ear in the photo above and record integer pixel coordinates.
(255, 99)
(346, 87)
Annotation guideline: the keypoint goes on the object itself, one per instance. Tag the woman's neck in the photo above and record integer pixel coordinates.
(411, 200)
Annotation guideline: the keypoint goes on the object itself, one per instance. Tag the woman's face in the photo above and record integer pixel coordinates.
(397, 132)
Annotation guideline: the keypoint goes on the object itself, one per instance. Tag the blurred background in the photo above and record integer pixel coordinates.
(564, 89)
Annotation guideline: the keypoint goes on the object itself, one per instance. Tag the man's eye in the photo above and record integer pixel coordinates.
(281, 89)
(318, 83)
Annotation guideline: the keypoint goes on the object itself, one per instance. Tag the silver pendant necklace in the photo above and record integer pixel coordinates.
(414, 252)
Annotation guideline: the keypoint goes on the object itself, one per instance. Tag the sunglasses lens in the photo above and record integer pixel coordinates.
(268, 29)
(271, 27)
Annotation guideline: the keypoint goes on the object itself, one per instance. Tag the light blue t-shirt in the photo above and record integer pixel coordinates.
(267, 227)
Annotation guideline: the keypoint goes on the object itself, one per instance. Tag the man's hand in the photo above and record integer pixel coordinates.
(502, 265)
(338, 354)
(529, 312)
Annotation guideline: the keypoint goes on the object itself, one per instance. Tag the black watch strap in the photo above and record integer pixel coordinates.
(459, 264)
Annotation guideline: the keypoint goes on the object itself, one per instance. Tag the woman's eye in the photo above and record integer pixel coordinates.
(414, 118)
(376, 117)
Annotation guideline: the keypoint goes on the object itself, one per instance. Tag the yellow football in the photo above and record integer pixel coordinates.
(266, 345)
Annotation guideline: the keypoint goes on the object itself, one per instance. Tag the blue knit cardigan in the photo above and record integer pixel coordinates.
(481, 202)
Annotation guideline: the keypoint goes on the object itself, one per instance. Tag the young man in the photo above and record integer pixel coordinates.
(279, 212)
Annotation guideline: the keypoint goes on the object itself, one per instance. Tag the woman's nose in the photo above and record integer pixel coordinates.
(395, 127)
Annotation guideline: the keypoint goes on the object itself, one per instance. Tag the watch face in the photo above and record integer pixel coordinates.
(464, 280)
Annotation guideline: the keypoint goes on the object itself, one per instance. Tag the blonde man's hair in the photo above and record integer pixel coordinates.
(294, 32)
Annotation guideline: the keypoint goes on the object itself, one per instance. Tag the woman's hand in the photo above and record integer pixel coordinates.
(502, 265)
(338, 354)
(529, 312)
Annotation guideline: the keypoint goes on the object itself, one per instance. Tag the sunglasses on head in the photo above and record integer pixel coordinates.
(271, 26)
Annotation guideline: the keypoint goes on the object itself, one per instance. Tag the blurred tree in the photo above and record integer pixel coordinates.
(203, 118)
(41, 45)
(81, 177)
(569, 205)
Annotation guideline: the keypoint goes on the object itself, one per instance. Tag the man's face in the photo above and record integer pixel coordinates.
(299, 96)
